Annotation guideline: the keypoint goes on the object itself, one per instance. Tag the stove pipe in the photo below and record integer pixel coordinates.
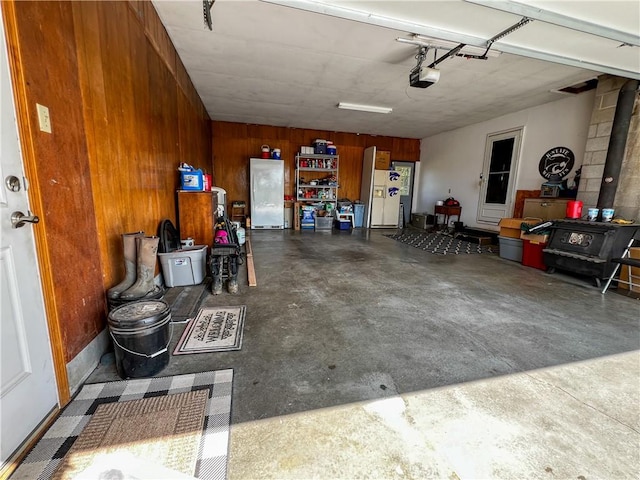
(617, 144)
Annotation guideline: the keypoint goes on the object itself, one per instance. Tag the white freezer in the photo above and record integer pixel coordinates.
(267, 193)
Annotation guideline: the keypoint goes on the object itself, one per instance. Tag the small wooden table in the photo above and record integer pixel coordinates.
(447, 212)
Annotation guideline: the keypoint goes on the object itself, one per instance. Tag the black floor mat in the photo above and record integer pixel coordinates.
(441, 243)
(185, 301)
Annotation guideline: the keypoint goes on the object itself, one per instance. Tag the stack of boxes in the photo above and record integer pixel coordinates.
(519, 246)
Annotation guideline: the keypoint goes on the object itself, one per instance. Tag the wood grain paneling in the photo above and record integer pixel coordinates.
(45, 32)
(521, 196)
(234, 143)
(122, 123)
(196, 212)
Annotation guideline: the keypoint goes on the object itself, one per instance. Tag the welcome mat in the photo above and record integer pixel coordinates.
(165, 430)
(211, 462)
(215, 329)
(440, 243)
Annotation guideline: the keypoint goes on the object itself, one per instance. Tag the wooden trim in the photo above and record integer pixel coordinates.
(25, 132)
(251, 272)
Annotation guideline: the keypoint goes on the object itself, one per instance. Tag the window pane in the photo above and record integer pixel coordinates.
(501, 152)
(497, 188)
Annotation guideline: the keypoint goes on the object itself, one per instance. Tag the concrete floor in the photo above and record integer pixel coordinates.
(366, 358)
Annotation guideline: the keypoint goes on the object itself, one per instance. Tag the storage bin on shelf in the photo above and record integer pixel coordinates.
(192, 180)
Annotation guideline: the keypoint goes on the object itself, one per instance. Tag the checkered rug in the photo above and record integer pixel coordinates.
(441, 243)
(42, 460)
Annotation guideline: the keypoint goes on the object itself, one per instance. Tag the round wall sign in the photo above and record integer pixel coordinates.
(556, 162)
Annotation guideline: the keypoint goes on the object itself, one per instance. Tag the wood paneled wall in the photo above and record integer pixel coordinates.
(124, 115)
(235, 143)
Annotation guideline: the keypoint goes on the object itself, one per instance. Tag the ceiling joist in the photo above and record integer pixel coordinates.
(547, 16)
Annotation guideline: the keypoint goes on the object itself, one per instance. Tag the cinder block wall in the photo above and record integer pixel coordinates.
(627, 201)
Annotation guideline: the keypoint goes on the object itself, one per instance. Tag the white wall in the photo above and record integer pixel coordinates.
(452, 161)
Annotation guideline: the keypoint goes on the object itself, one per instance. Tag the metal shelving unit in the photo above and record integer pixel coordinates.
(321, 169)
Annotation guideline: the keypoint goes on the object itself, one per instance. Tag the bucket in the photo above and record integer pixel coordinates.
(607, 214)
(266, 152)
(592, 214)
(574, 209)
(332, 150)
(141, 333)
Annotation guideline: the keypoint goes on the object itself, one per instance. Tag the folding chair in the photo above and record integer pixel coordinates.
(626, 262)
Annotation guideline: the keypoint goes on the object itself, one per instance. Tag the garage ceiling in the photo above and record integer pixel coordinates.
(289, 63)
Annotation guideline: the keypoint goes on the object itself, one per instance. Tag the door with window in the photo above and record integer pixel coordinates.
(498, 178)
(405, 169)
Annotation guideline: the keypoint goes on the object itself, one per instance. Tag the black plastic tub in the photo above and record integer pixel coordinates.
(141, 333)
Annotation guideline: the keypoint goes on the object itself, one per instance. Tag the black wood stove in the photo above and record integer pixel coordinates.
(586, 248)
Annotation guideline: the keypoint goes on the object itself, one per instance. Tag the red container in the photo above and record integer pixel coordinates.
(532, 254)
(574, 209)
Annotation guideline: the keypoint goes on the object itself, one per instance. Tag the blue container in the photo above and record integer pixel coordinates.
(358, 214)
(193, 180)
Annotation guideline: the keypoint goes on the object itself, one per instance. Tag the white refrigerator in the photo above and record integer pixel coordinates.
(267, 193)
(385, 199)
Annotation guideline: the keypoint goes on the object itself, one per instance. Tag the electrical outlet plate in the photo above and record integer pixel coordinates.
(43, 118)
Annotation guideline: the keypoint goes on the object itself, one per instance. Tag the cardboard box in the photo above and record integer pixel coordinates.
(635, 272)
(510, 227)
(534, 238)
(296, 216)
(383, 160)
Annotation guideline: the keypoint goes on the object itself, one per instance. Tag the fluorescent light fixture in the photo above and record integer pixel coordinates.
(422, 41)
(364, 108)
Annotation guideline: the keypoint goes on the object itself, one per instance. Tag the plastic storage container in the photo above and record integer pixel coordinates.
(510, 248)
(532, 255)
(184, 267)
(320, 146)
(323, 223)
(141, 332)
(193, 180)
(358, 214)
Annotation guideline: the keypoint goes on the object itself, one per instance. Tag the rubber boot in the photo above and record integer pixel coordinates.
(232, 284)
(129, 244)
(145, 268)
(216, 273)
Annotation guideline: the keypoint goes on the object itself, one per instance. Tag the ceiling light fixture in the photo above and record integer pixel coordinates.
(364, 108)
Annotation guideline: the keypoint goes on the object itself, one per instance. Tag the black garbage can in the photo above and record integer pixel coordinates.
(141, 332)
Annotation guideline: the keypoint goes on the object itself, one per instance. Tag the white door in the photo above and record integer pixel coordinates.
(502, 152)
(28, 391)
(366, 188)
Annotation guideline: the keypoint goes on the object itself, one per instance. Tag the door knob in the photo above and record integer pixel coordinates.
(18, 219)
